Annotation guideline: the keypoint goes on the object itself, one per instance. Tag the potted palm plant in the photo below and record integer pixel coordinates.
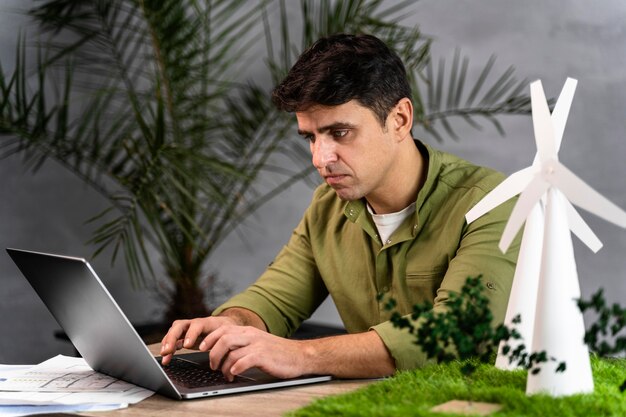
(151, 103)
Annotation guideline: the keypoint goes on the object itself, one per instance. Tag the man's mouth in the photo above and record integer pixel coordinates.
(333, 180)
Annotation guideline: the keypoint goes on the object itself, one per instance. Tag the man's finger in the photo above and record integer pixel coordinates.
(233, 357)
(224, 341)
(242, 361)
(195, 329)
(217, 354)
(165, 359)
(169, 342)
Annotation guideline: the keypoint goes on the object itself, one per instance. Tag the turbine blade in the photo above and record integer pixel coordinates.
(561, 111)
(527, 200)
(583, 195)
(542, 123)
(582, 229)
(510, 187)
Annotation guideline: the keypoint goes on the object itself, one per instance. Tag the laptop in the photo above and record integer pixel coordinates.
(104, 337)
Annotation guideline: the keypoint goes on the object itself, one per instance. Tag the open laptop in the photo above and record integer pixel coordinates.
(104, 337)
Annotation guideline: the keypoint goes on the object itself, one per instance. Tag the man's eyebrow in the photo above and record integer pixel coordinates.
(332, 126)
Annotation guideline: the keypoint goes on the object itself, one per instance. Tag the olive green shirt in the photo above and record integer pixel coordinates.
(336, 250)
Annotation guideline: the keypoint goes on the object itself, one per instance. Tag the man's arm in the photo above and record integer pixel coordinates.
(244, 317)
(359, 355)
(237, 341)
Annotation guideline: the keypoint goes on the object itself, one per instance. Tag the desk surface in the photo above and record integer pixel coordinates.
(266, 403)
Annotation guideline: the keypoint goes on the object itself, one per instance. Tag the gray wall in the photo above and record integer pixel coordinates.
(546, 40)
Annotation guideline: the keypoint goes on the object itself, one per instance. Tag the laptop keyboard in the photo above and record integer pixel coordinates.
(192, 375)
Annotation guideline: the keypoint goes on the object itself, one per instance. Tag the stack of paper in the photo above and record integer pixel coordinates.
(62, 384)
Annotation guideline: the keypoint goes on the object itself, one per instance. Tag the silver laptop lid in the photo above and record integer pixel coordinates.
(93, 321)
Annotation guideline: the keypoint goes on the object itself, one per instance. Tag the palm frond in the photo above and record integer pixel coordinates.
(450, 94)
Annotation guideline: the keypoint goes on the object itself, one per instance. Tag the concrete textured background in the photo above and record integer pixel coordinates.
(543, 40)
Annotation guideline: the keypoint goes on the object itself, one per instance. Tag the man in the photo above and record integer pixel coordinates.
(388, 222)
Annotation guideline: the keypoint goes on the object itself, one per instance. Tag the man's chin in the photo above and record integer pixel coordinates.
(346, 194)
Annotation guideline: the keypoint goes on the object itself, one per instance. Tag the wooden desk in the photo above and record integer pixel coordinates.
(266, 403)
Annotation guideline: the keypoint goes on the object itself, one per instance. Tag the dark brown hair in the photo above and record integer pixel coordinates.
(340, 68)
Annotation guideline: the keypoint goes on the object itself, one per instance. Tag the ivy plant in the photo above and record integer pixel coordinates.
(465, 331)
(610, 323)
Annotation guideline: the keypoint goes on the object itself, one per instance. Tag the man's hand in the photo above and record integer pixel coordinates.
(235, 349)
(184, 333)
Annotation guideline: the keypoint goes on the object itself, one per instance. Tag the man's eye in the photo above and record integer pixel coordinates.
(340, 133)
(309, 138)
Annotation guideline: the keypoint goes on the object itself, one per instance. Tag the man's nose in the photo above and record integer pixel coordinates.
(323, 152)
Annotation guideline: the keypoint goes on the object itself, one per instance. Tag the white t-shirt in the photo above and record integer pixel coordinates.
(388, 223)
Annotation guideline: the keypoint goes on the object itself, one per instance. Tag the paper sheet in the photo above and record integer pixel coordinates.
(63, 374)
(29, 410)
(35, 376)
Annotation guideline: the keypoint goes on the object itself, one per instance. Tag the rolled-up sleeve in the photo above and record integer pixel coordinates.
(289, 291)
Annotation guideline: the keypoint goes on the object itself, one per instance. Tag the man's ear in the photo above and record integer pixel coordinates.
(402, 119)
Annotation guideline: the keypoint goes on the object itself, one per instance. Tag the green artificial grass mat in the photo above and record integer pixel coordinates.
(413, 393)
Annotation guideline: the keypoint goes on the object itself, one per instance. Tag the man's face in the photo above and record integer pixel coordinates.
(350, 149)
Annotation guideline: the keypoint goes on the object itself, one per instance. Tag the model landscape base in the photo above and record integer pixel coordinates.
(415, 393)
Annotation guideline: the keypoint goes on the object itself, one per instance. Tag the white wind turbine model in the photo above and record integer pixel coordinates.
(546, 285)
(523, 297)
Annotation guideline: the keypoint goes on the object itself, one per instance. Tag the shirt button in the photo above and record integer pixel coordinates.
(491, 285)
(388, 242)
(385, 289)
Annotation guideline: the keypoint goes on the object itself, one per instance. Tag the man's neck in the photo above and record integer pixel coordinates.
(403, 183)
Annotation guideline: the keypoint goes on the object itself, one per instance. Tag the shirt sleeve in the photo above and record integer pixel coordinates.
(289, 291)
(478, 254)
